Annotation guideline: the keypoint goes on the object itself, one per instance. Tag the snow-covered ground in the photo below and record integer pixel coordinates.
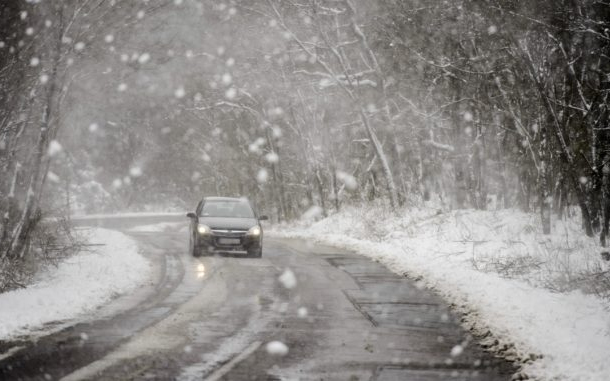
(511, 281)
(160, 227)
(76, 286)
(127, 215)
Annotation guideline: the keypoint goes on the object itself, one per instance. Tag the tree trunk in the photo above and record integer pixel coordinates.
(387, 172)
(605, 196)
(320, 186)
(543, 182)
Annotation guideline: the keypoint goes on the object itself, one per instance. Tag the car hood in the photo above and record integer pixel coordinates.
(228, 223)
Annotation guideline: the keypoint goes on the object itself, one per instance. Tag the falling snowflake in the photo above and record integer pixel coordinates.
(457, 350)
(143, 58)
(180, 92)
(262, 176)
(288, 279)
(348, 180)
(231, 93)
(277, 132)
(312, 213)
(272, 157)
(52, 177)
(135, 171)
(302, 312)
(276, 111)
(196, 176)
(277, 348)
(54, 148)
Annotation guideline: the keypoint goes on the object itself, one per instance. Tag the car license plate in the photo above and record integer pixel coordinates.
(229, 241)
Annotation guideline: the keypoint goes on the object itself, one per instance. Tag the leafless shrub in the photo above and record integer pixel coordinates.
(370, 220)
(514, 267)
(50, 242)
(596, 281)
(555, 272)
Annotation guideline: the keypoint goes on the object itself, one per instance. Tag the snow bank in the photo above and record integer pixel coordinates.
(497, 266)
(77, 285)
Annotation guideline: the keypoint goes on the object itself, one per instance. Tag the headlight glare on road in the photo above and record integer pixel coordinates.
(203, 229)
(255, 231)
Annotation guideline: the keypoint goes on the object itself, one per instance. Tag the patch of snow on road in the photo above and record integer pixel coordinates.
(78, 285)
(241, 344)
(513, 280)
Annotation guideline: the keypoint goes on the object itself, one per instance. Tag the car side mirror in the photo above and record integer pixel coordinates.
(263, 218)
(191, 215)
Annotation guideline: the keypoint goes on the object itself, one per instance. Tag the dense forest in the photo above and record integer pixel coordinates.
(302, 106)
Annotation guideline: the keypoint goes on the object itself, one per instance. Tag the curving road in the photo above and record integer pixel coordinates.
(346, 318)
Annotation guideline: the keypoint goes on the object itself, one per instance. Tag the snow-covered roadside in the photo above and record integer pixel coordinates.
(126, 215)
(76, 286)
(160, 227)
(493, 265)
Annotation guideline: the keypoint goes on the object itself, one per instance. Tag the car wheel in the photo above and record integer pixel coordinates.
(193, 250)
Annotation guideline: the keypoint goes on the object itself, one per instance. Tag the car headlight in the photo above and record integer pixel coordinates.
(203, 229)
(254, 231)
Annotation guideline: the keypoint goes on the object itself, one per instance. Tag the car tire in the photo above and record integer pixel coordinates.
(194, 250)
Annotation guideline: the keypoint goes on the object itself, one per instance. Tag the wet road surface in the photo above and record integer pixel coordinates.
(347, 318)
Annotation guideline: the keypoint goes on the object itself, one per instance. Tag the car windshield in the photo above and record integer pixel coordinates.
(231, 209)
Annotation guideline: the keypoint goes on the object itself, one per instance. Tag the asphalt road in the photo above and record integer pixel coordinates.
(347, 318)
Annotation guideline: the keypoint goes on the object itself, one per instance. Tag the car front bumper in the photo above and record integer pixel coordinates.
(228, 242)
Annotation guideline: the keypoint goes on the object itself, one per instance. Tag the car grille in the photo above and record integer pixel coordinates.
(229, 233)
